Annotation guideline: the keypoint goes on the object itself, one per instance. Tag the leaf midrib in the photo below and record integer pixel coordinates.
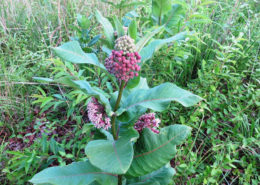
(151, 151)
(75, 53)
(117, 156)
(81, 174)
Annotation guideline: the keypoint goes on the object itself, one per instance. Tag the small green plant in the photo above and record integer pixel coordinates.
(133, 149)
(83, 33)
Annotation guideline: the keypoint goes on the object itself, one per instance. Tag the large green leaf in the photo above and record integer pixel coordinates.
(163, 176)
(110, 156)
(153, 151)
(98, 93)
(107, 26)
(78, 173)
(148, 51)
(142, 42)
(72, 52)
(160, 7)
(157, 98)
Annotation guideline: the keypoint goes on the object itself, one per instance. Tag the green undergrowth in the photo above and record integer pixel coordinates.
(219, 62)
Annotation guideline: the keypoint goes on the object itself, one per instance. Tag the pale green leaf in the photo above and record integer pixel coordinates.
(158, 98)
(110, 156)
(107, 26)
(72, 52)
(78, 173)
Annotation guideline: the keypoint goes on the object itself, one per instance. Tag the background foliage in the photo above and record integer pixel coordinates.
(219, 62)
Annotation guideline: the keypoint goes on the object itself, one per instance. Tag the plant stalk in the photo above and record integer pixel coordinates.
(113, 119)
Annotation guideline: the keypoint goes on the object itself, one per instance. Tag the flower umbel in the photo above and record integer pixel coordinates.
(123, 66)
(147, 121)
(97, 114)
(125, 44)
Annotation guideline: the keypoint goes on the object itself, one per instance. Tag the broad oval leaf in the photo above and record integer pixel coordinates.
(72, 52)
(148, 51)
(158, 98)
(78, 173)
(110, 156)
(153, 151)
(162, 176)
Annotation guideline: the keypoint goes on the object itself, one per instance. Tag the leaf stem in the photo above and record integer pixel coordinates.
(113, 119)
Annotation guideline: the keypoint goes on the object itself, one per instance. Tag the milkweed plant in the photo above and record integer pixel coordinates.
(136, 151)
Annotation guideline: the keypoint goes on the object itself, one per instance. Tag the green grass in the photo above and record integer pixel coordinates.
(220, 63)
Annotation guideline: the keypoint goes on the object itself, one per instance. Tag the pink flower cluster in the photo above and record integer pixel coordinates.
(123, 66)
(97, 114)
(147, 121)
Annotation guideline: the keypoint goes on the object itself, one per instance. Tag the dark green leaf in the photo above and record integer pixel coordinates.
(153, 151)
(163, 176)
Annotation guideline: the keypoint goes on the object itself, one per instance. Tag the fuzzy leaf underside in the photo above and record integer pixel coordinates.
(78, 173)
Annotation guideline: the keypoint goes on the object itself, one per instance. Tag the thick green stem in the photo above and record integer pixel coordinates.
(113, 119)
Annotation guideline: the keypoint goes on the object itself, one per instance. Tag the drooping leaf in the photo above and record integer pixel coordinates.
(157, 98)
(142, 42)
(107, 26)
(72, 52)
(133, 29)
(148, 51)
(78, 173)
(162, 176)
(110, 156)
(86, 88)
(160, 7)
(153, 151)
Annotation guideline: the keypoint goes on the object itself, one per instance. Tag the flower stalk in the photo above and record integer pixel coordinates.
(113, 119)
